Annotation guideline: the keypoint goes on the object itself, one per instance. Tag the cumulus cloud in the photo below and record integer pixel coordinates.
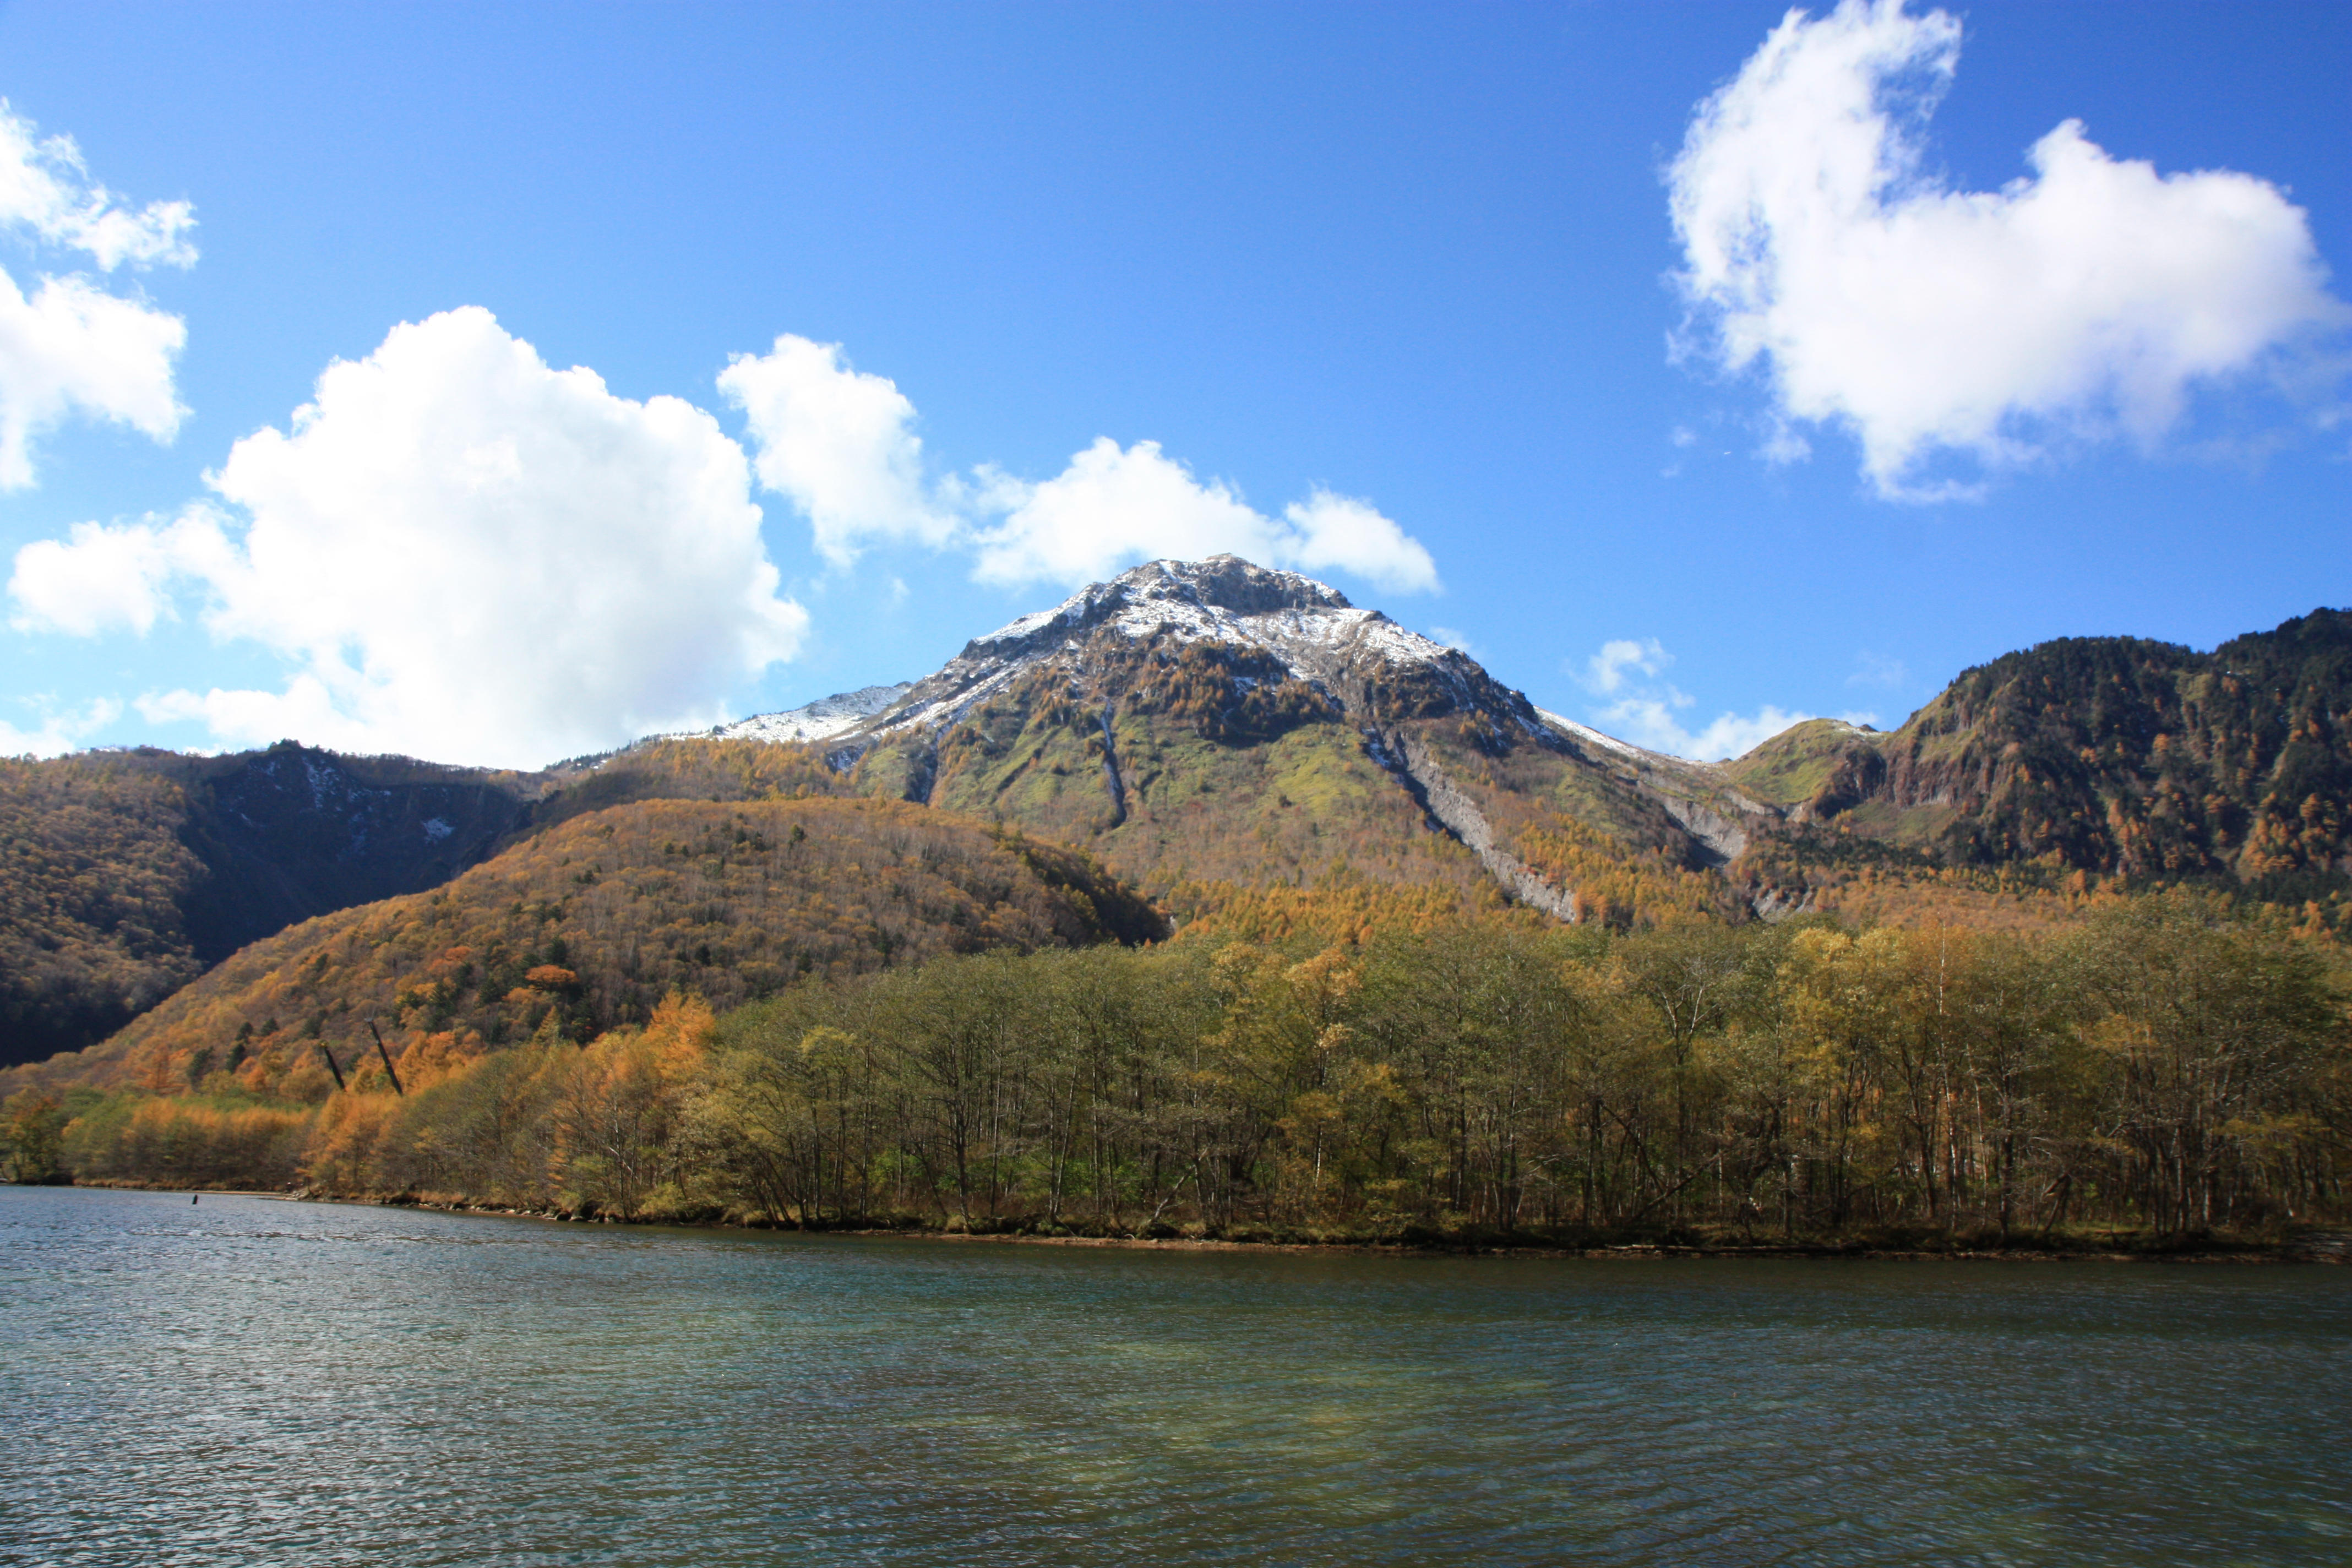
(839, 444)
(2086, 299)
(100, 579)
(464, 553)
(1651, 721)
(71, 345)
(1335, 531)
(1647, 710)
(1113, 506)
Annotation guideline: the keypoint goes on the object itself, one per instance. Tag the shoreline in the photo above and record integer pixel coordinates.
(2319, 1246)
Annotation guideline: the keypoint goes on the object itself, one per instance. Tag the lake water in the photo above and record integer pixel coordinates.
(260, 1381)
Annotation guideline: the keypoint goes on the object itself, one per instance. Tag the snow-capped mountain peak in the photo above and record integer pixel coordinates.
(1308, 626)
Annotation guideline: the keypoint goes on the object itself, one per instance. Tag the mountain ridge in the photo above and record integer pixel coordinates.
(2119, 756)
(1207, 727)
(1969, 780)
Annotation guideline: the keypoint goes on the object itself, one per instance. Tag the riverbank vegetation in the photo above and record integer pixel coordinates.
(2161, 1069)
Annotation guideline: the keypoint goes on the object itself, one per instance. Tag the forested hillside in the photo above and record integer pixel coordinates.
(127, 873)
(1442, 966)
(689, 768)
(94, 890)
(585, 927)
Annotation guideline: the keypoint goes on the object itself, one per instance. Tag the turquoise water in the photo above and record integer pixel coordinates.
(259, 1381)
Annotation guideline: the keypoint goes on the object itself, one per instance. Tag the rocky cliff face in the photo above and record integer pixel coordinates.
(294, 832)
(2115, 755)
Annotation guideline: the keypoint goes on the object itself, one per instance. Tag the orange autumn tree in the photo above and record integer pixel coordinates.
(616, 1117)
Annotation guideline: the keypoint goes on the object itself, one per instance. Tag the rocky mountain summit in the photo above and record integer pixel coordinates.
(1219, 718)
(1308, 628)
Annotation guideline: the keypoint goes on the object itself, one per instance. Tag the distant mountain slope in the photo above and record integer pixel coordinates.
(2110, 755)
(591, 923)
(817, 720)
(1214, 720)
(127, 873)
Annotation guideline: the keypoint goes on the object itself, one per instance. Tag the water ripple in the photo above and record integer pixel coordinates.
(296, 1383)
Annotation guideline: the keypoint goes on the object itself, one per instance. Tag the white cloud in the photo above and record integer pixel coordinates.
(465, 554)
(102, 579)
(1114, 506)
(2087, 297)
(1649, 720)
(1336, 531)
(1111, 505)
(70, 346)
(97, 580)
(839, 444)
(46, 187)
(59, 733)
(1646, 709)
(1606, 671)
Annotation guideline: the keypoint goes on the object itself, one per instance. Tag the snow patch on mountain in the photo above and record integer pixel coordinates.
(1570, 728)
(819, 720)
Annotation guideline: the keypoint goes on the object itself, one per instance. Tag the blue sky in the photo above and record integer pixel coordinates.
(1498, 317)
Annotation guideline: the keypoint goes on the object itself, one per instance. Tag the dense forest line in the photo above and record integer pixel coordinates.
(94, 885)
(2160, 1066)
